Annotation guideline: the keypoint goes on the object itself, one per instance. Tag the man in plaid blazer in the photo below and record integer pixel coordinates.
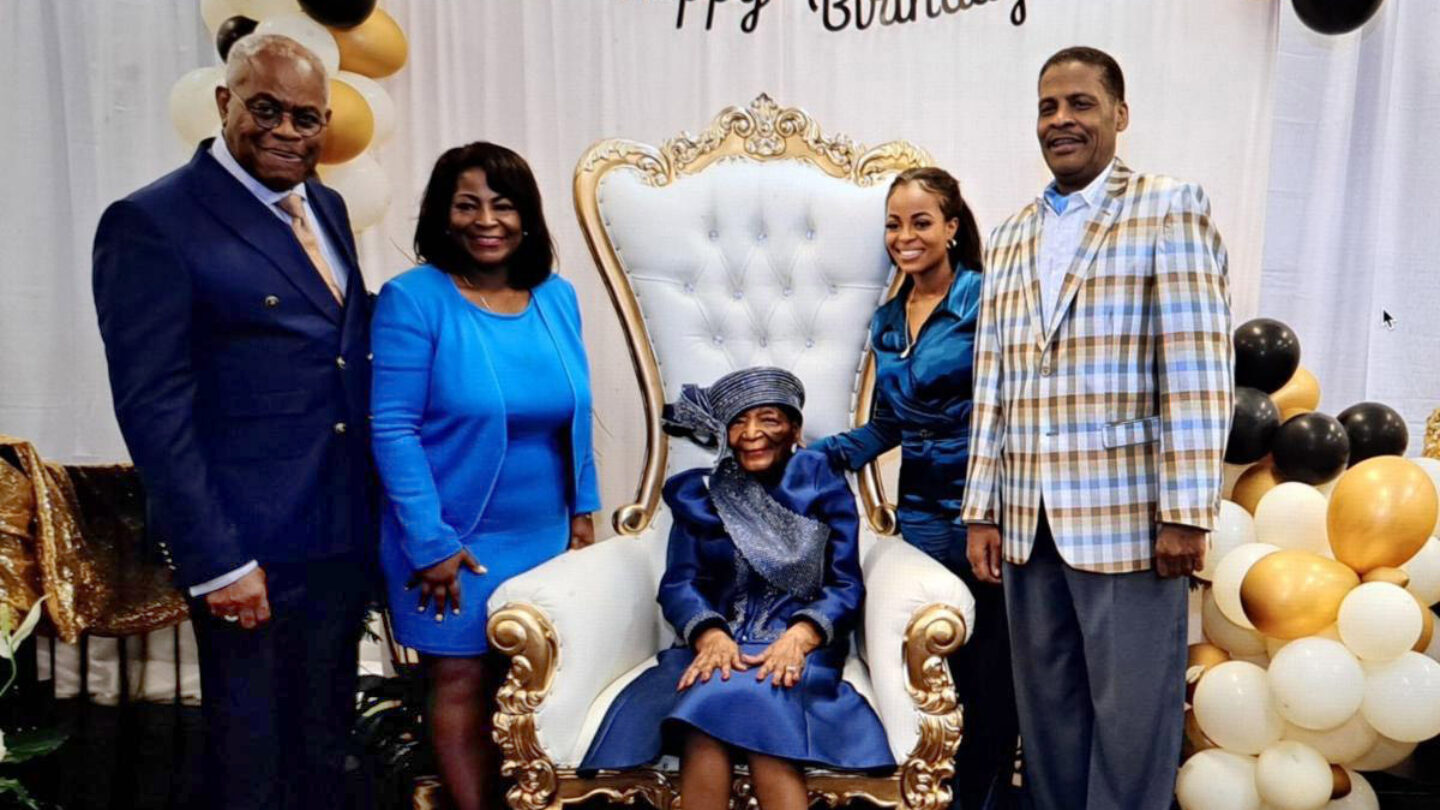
(1102, 405)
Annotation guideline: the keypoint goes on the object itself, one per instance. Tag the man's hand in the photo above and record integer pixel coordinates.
(784, 661)
(983, 549)
(1179, 550)
(245, 599)
(441, 582)
(715, 649)
(582, 532)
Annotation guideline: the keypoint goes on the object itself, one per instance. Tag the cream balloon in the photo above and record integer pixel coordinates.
(1432, 650)
(263, 10)
(1379, 621)
(214, 12)
(1338, 745)
(1385, 753)
(1317, 683)
(192, 104)
(1424, 571)
(1431, 466)
(1402, 698)
(314, 36)
(1361, 796)
(1234, 707)
(365, 187)
(1292, 515)
(1225, 634)
(1234, 528)
(1293, 776)
(1230, 573)
(1216, 779)
(381, 105)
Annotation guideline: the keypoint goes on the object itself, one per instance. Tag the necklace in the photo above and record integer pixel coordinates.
(470, 285)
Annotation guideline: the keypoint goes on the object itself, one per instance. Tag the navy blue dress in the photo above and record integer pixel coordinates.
(923, 403)
(822, 721)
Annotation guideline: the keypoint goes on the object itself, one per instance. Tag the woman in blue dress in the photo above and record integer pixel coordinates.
(762, 585)
(923, 340)
(481, 400)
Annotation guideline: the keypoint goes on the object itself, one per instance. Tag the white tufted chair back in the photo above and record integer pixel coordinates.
(759, 242)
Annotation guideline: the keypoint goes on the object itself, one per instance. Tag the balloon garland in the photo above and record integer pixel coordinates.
(1320, 659)
(357, 42)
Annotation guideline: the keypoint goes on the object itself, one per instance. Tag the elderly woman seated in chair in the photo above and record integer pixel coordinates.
(763, 587)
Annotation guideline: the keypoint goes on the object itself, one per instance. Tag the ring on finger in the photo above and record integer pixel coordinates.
(230, 617)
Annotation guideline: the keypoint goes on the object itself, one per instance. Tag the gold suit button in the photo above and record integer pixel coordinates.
(272, 301)
(339, 427)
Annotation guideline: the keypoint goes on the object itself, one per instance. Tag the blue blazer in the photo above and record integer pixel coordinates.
(438, 468)
(241, 387)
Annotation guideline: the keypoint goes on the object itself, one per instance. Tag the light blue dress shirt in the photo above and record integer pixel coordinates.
(1063, 218)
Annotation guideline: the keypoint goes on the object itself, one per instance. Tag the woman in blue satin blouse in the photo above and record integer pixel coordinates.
(762, 580)
(923, 340)
(481, 400)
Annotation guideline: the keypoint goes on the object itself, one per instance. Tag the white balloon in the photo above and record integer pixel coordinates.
(262, 10)
(214, 12)
(1317, 683)
(1424, 571)
(1215, 779)
(365, 187)
(314, 36)
(1431, 466)
(1230, 572)
(381, 105)
(1292, 515)
(1275, 645)
(1379, 621)
(1385, 753)
(1235, 709)
(1225, 634)
(1293, 776)
(192, 104)
(1402, 698)
(1360, 797)
(1233, 529)
(1338, 745)
(1433, 651)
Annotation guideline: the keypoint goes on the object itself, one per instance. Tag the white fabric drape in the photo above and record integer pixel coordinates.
(1351, 232)
(87, 83)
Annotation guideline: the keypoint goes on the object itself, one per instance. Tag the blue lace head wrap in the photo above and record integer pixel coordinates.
(703, 415)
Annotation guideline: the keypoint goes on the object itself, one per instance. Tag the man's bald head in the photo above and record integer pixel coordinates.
(273, 108)
(244, 53)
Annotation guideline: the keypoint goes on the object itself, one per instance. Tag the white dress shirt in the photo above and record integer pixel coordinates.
(1063, 218)
(271, 200)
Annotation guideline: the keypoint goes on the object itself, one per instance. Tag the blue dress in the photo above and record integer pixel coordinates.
(822, 721)
(446, 374)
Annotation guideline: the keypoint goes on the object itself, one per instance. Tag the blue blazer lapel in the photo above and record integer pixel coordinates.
(246, 217)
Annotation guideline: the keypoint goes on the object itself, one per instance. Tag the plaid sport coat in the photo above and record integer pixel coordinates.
(1116, 413)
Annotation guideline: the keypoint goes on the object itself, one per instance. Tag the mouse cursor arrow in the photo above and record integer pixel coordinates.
(1387, 319)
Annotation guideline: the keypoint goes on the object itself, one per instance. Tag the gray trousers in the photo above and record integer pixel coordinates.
(1099, 662)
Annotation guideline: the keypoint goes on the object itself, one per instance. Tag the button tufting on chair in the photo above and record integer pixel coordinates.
(737, 295)
(714, 235)
(717, 340)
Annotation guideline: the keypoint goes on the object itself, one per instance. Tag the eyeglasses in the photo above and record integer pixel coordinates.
(267, 115)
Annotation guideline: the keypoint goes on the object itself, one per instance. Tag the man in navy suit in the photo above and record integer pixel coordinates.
(235, 322)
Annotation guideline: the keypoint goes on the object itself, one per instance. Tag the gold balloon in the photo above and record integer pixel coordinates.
(1202, 657)
(1292, 593)
(374, 48)
(352, 124)
(1252, 484)
(1299, 394)
(1195, 740)
(1394, 576)
(1340, 786)
(1427, 630)
(1381, 512)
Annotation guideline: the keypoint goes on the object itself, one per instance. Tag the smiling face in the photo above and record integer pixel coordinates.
(763, 438)
(280, 158)
(483, 223)
(916, 231)
(1078, 123)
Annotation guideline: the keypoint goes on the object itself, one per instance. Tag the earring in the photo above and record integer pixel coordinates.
(951, 243)
(524, 234)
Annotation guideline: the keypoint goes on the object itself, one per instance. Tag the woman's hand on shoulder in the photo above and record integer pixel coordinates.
(784, 661)
(714, 650)
(440, 583)
(582, 532)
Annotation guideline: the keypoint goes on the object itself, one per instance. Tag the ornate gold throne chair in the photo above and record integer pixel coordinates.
(760, 241)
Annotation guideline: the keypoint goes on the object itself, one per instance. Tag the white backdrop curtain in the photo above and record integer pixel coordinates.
(87, 84)
(1352, 230)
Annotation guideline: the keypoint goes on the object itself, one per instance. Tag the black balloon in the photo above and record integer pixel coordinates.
(230, 32)
(1374, 430)
(1266, 354)
(1253, 428)
(338, 13)
(1336, 16)
(1311, 448)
